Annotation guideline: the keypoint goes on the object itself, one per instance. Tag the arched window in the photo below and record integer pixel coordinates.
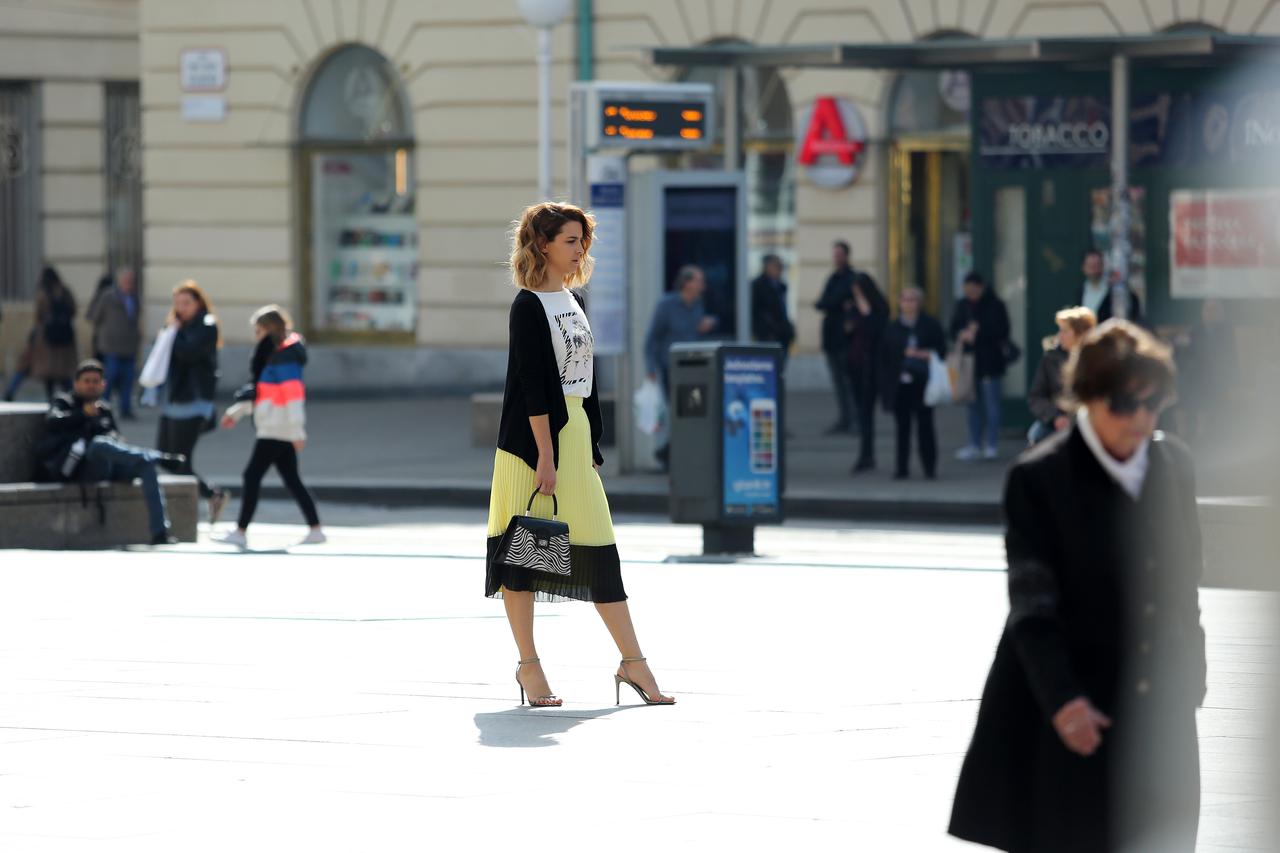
(359, 232)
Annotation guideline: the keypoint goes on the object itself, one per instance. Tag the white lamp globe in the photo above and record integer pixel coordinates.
(544, 13)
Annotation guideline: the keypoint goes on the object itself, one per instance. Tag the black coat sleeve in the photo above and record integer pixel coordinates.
(195, 343)
(1189, 599)
(1035, 627)
(1040, 399)
(834, 295)
(527, 352)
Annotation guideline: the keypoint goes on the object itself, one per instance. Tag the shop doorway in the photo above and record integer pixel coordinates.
(359, 233)
(930, 244)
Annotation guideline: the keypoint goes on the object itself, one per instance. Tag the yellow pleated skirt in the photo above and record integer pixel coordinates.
(596, 572)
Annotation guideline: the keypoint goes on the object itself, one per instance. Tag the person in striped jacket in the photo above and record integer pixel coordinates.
(276, 397)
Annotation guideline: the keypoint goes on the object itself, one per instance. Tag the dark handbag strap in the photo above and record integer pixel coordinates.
(555, 504)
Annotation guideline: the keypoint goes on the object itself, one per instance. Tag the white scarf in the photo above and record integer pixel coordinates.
(1131, 473)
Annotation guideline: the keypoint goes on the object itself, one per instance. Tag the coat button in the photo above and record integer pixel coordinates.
(1149, 609)
(1144, 686)
(1145, 648)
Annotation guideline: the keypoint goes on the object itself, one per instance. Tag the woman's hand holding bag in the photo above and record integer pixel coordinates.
(544, 479)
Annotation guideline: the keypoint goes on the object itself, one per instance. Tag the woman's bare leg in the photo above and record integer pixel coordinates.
(617, 618)
(519, 607)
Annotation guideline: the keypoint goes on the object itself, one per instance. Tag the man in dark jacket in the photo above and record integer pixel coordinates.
(769, 321)
(1096, 292)
(981, 325)
(835, 303)
(81, 442)
(116, 335)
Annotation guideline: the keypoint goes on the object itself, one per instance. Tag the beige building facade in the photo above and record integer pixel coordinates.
(360, 161)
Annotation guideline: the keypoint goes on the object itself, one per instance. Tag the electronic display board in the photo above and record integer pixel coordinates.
(671, 116)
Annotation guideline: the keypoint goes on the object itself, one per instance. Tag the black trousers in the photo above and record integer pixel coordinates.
(179, 435)
(268, 452)
(909, 406)
(863, 384)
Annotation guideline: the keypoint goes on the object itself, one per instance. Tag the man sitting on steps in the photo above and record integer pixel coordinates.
(81, 443)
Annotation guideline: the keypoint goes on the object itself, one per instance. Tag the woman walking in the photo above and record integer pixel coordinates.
(51, 345)
(276, 397)
(1086, 736)
(1045, 397)
(548, 444)
(187, 411)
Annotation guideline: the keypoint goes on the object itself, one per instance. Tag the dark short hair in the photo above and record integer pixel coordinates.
(841, 244)
(770, 258)
(90, 365)
(975, 277)
(1118, 357)
(1092, 250)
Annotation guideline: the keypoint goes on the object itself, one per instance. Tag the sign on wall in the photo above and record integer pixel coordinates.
(1224, 244)
(607, 302)
(831, 142)
(1035, 132)
(203, 69)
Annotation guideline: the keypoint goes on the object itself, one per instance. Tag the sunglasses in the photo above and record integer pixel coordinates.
(1125, 404)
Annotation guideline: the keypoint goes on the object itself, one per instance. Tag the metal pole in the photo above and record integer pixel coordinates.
(1121, 214)
(544, 113)
(732, 118)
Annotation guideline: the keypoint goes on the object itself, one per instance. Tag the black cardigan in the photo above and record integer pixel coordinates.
(533, 385)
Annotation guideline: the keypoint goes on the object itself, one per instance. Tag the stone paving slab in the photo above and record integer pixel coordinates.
(359, 696)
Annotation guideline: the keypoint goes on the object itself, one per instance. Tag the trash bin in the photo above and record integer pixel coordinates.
(727, 462)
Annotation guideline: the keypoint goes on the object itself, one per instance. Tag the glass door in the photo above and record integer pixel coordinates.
(930, 245)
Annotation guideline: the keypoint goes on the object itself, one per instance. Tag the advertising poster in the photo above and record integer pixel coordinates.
(1224, 244)
(607, 294)
(751, 437)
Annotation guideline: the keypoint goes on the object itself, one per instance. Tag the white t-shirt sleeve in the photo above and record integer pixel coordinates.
(571, 338)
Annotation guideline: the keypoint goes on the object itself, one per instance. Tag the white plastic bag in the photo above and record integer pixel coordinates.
(650, 408)
(937, 391)
(156, 369)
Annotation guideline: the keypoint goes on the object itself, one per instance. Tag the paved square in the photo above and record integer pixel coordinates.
(359, 696)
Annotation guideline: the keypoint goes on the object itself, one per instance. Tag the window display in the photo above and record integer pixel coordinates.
(365, 242)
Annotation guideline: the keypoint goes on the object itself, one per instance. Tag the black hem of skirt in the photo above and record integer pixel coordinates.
(596, 576)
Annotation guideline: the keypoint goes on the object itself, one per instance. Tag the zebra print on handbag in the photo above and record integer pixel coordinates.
(538, 544)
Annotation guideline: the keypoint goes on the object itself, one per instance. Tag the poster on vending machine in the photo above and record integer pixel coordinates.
(751, 437)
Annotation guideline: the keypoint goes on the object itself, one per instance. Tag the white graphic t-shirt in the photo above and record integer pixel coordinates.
(571, 337)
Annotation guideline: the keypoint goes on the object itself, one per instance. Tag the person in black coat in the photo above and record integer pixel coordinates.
(189, 386)
(865, 320)
(981, 325)
(1096, 290)
(904, 372)
(81, 442)
(1086, 735)
(1045, 397)
(769, 320)
(834, 304)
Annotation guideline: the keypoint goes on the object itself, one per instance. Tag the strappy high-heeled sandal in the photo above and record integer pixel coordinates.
(619, 680)
(550, 701)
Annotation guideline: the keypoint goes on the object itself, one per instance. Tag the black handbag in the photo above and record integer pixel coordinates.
(537, 544)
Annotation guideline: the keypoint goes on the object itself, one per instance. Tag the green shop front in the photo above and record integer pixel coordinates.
(1037, 166)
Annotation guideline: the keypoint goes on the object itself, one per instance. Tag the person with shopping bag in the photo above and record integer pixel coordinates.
(680, 317)
(549, 447)
(908, 345)
(980, 327)
(181, 373)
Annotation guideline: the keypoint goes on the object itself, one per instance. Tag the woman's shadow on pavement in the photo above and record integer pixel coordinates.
(525, 727)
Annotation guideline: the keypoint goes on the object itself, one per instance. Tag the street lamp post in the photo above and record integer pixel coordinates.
(544, 14)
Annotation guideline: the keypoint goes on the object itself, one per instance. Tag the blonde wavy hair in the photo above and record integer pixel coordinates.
(539, 225)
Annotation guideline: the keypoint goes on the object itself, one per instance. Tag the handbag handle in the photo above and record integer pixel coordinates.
(555, 504)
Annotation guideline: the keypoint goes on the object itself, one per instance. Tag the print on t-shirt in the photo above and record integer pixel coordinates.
(575, 372)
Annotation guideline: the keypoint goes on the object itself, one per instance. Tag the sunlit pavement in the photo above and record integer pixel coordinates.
(359, 696)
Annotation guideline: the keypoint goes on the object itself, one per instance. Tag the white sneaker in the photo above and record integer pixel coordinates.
(314, 537)
(232, 537)
(968, 453)
(990, 453)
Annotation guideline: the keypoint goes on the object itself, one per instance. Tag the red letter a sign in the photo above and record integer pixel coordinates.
(826, 135)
